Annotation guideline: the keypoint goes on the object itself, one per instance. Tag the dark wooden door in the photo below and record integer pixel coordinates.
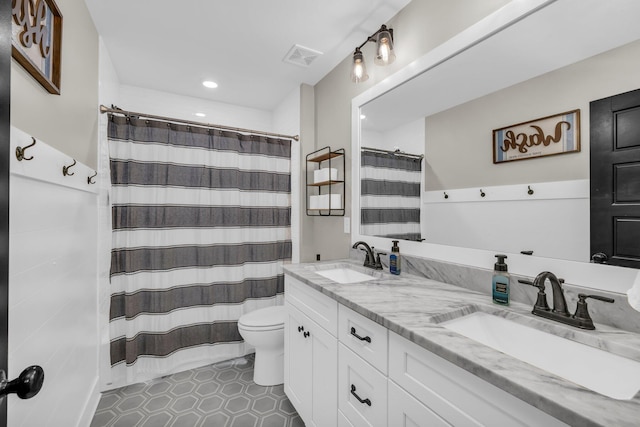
(5, 95)
(615, 179)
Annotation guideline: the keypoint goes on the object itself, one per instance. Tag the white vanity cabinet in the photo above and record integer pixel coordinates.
(343, 369)
(311, 354)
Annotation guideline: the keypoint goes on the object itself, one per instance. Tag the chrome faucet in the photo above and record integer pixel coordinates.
(370, 260)
(559, 313)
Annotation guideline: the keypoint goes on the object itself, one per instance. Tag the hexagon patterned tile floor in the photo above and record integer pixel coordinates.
(219, 395)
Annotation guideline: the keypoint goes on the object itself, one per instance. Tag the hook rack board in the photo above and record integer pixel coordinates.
(572, 189)
(46, 163)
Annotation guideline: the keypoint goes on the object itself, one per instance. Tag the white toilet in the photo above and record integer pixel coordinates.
(264, 330)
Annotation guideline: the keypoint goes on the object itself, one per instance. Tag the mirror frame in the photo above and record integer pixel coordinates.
(596, 276)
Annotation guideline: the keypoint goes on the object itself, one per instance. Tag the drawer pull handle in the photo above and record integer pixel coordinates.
(353, 391)
(353, 332)
(306, 334)
(300, 328)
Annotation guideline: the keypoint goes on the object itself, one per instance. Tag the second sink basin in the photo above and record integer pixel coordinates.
(344, 275)
(598, 370)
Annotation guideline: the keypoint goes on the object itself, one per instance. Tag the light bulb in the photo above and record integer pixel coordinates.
(384, 51)
(358, 70)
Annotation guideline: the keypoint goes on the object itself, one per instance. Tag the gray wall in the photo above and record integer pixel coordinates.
(418, 28)
(459, 140)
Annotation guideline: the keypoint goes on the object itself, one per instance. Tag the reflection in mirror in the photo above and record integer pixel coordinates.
(390, 189)
(453, 104)
(390, 180)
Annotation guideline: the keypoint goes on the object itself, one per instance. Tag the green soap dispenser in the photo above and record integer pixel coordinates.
(500, 281)
(394, 258)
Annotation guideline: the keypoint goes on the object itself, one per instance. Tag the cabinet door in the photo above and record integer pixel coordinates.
(324, 358)
(406, 411)
(297, 363)
(311, 366)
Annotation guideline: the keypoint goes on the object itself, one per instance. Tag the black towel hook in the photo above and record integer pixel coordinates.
(20, 151)
(90, 178)
(446, 196)
(529, 191)
(65, 169)
(482, 194)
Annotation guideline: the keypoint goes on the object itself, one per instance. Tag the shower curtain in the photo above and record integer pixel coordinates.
(390, 195)
(201, 228)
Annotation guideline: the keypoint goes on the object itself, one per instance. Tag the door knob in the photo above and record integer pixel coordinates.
(599, 258)
(27, 385)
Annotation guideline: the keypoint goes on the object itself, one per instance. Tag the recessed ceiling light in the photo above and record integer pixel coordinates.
(362, 117)
(210, 84)
(201, 115)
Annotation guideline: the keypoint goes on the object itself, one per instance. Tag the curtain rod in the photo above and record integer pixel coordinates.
(396, 152)
(116, 110)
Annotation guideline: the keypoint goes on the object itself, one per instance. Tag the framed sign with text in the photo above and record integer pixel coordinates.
(547, 136)
(36, 40)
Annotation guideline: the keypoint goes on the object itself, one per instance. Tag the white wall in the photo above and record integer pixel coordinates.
(52, 293)
(167, 104)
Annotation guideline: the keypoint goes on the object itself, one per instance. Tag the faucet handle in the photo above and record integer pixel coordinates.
(378, 262)
(583, 297)
(582, 311)
(541, 302)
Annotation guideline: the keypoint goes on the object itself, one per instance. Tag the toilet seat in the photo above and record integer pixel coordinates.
(264, 319)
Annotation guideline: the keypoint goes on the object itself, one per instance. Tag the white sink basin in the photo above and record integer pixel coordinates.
(344, 275)
(598, 370)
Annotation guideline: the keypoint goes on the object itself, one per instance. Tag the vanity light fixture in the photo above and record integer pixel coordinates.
(385, 54)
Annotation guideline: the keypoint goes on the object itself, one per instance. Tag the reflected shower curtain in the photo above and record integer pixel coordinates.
(390, 195)
(201, 229)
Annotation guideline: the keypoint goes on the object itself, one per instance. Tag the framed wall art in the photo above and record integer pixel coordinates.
(557, 134)
(36, 40)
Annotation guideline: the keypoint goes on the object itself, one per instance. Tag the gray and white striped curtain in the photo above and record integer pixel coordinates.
(201, 229)
(390, 195)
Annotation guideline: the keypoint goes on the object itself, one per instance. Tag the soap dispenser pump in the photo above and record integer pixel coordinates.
(500, 281)
(394, 258)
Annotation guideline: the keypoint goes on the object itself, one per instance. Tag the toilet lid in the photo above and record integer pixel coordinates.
(264, 317)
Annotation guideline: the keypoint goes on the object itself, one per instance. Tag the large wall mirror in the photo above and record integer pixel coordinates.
(530, 59)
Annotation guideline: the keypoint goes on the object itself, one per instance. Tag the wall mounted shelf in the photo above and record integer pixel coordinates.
(325, 182)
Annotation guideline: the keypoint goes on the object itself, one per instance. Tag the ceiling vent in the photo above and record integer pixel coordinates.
(302, 56)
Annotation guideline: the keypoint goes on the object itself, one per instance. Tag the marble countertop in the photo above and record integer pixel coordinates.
(413, 307)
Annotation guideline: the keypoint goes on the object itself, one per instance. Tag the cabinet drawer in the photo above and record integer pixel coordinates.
(318, 307)
(365, 337)
(362, 390)
(405, 410)
(457, 396)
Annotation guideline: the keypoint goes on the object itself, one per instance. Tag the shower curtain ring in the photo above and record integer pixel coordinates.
(90, 178)
(65, 169)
